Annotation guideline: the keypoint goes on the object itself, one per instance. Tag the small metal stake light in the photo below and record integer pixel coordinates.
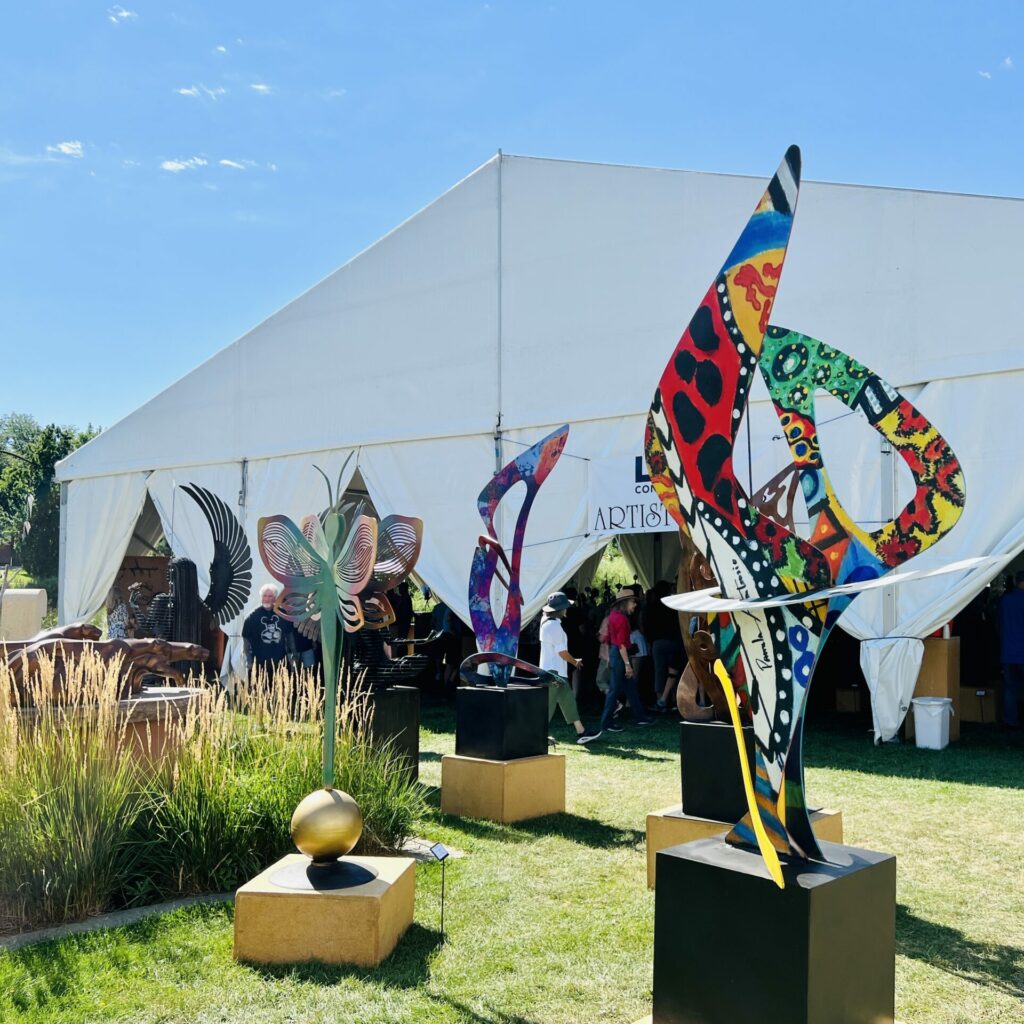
(440, 852)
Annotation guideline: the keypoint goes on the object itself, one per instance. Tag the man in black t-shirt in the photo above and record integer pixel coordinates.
(267, 636)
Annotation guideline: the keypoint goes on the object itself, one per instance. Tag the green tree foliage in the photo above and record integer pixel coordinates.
(18, 432)
(29, 493)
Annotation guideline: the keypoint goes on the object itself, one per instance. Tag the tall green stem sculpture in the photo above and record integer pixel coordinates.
(336, 573)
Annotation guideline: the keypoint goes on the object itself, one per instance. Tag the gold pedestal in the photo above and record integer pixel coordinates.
(670, 827)
(504, 791)
(357, 925)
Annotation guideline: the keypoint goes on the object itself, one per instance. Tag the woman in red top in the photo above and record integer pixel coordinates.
(621, 671)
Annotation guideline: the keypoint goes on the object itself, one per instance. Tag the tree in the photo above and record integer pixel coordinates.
(18, 432)
(38, 546)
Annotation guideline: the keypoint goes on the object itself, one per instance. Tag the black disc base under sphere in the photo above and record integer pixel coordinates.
(307, 876)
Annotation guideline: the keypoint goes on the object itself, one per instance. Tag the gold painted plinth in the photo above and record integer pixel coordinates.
(670, 827)
(360, 925)
(504, 791)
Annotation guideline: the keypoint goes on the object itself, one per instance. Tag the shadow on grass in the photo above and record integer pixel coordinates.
(487, 1016)
(598, 835)
(984, 756)
(407, 967)
(984, 963)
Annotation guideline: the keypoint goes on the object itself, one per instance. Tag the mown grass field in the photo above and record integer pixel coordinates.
(550, 921)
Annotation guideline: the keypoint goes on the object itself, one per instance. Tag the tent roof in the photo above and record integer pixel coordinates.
(540, 291)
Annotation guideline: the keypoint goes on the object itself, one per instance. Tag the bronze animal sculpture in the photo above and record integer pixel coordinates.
(74, 631)
(135, 660)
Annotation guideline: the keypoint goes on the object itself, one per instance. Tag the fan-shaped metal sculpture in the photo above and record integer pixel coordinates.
(231, 568)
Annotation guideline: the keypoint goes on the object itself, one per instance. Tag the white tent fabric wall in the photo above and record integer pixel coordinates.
(537, 292)
(890, 668)
(100, 517)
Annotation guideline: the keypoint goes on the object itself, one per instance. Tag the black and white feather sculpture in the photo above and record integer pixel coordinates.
(231, 568)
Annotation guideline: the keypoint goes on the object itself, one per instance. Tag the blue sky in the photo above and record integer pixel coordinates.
(173, 172)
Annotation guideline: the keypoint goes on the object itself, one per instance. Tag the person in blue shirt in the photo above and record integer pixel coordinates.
(1011, 639)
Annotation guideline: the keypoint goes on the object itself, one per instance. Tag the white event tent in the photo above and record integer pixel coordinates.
(538, 292)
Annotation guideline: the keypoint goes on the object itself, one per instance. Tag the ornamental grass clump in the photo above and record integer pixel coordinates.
(88, 823)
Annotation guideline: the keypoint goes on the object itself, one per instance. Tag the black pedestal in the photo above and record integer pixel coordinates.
(501, 724)
(395, 716)
(730, 946)
(710, 764)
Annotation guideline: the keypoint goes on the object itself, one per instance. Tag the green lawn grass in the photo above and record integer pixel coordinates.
(550, 921)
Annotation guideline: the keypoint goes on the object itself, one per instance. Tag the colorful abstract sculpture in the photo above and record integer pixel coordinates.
(498, 644)
(779, 590)
(339, 572)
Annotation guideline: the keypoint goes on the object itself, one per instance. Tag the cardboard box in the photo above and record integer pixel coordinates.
(980, 704)
(939, 677)
(851, 699)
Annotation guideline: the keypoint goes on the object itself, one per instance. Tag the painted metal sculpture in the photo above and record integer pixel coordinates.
(332, 570)
(782, 587)
(231, 568)
(498, 643)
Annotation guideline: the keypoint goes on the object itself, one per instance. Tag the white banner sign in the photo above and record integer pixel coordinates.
(622, 500)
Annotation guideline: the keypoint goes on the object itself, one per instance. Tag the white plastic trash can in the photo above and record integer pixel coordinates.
(931, 721)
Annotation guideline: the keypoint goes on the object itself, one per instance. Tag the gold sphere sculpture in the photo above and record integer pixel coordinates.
(326, 825)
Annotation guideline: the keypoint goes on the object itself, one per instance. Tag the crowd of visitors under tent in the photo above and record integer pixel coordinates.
(990, 627)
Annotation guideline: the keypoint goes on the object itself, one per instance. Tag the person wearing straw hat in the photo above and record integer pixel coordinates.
(621, 671)
(554, 656)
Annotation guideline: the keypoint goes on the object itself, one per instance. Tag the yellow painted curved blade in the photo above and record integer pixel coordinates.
(764, 844)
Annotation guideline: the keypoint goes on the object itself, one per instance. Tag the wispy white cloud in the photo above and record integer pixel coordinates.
(117, 14)
(239, 166)
(202, 92)
(985, 74)
(220, 49)
(72, 149)
(335, 94)
(129, 163)
(188, 164)
(8, 158)
(1007, 64)
(261, 87)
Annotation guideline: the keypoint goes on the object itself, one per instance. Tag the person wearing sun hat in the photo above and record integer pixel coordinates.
(621, 671)
(554, 656)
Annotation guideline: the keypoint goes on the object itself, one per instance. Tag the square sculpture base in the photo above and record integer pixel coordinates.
(505, 791)
(361, 924)
(670, 827)
(730, 946)
(501, 723)
(712, 781)
(395, 718)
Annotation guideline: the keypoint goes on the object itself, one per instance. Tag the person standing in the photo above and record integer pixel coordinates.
(267, 636)
(1011, 645)
(554, 657)
(620, 669)
(661, 624)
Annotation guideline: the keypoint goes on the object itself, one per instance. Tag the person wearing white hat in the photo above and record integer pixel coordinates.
(554, 656)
